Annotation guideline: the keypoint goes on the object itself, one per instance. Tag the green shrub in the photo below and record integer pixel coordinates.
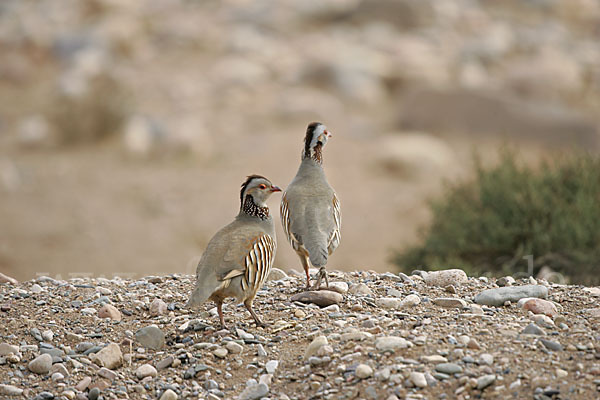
(510, 211)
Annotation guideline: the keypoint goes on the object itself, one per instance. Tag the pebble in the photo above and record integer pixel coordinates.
(276, 274)
(109, 357)
(41, 364)
(498, 296)
(340, 287)
(271, 366)
(6, 349)
(10, 390)
(254, 391)
(322, 298)
(35, 288)
(260, 351)
(540, 306)
(234, 348)
(220, 352)
(109, 311)
(418, 379)
(449, 302)
(363, 371)
(94, 393)
(455, 277)
(158, 307)
(391, 343)
(388, 303)
(552, 345)
(48, 335)
(533, 329)
(486, 359)
(57, 377)
(151, 337)
(360, 289)
(448, 368)
(485, 381)
(314, 346)
(434, 359)
(299, 314)
(244, 335)
(88, 311)
(169, 395)
(107, 373)
(83, 384)
(145, 370)
(165, 363)
(409, 301)
(561, 373)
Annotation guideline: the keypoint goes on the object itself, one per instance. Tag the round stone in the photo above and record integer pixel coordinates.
(363, 371)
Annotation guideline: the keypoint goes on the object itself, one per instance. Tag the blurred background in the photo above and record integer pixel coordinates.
(127, 127)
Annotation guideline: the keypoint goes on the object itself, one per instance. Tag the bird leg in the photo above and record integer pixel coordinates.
(220, 311)
(305, 264)
(248, 304)
(320, 275)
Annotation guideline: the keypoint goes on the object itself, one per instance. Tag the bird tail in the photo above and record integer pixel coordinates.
(201, 292)
(317, 251)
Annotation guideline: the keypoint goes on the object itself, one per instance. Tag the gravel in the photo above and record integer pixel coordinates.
(359, 349)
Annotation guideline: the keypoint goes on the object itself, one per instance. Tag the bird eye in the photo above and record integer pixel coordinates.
(262, 186)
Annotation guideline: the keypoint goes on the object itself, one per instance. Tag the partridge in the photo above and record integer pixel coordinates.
(238, 258)
(310, 210)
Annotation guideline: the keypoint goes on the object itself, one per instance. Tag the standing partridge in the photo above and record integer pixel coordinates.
(310, 210)
(238, 259)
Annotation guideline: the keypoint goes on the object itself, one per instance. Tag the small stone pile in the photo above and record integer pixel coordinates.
(373, 336)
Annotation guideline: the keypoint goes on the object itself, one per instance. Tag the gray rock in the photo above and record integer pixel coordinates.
(363, 371)
(271, 366)
(254, 391)
(10, 390)
(169, 395)
(449, 302)
(260, 350)
(446, 277)
(109, 357)
(322, 298)
(448, 368)
(391, 343)
(552, 345)
(41, 364)
(360, 289)
(6, 349)
(145, 370)
(165, 363)
(498, 296)
(314, 346)
(158, 307)
(94, 393)
(151, 337)
(485, 381)
(418, 379)
(276, 274)
(533, 329)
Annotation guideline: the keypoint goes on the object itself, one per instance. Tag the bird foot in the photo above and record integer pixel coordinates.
(322, 274)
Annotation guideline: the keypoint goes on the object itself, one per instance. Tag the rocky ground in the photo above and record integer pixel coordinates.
(374, 336)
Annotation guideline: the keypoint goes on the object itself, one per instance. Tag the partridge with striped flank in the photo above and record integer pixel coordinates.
(238, 259)
(310, 210)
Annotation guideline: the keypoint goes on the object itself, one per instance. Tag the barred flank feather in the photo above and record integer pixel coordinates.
(259, 262)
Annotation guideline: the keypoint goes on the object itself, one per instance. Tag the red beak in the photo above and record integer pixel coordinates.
(275, 189)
